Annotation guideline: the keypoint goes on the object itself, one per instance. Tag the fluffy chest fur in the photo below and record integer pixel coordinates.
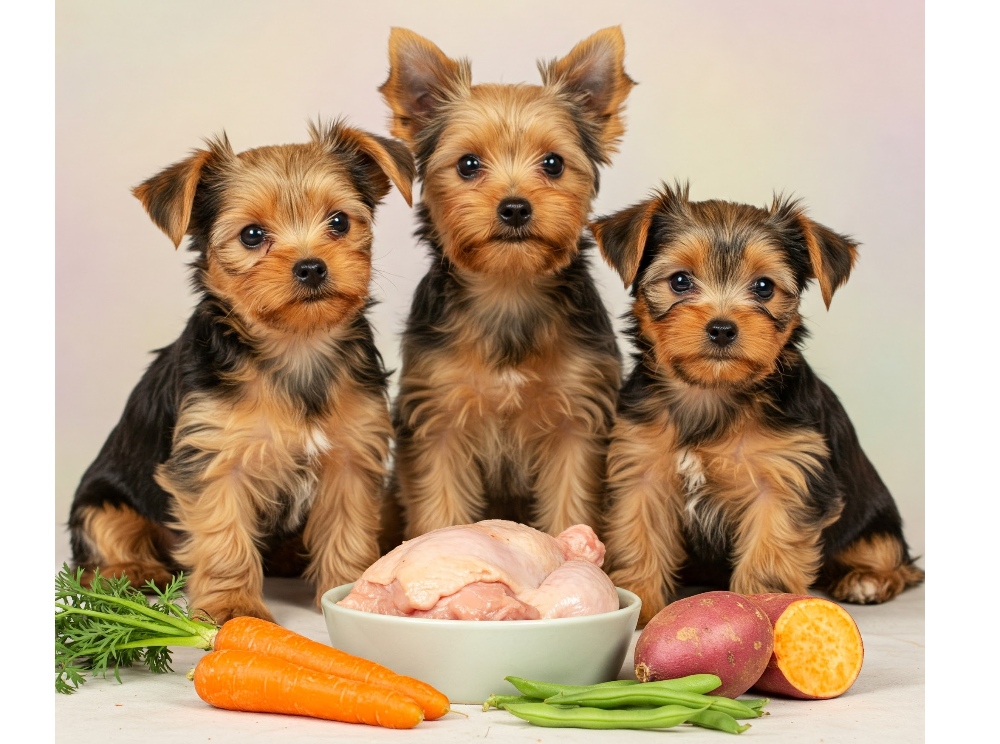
(721, 479)
(271, 430)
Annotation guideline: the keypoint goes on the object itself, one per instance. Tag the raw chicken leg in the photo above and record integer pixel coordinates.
(491, 570)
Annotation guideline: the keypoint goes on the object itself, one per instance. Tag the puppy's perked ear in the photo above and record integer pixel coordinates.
(622, 237)
(421, 77)
(169, 195)
(831, 256)
(593, 73)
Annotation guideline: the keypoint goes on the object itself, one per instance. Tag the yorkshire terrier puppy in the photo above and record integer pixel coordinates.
(728, 453)
(510, 369)
(266, 424)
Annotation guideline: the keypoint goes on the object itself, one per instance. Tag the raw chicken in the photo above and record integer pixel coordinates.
(491, 570)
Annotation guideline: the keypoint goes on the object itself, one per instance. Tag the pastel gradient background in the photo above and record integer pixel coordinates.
(823, 100)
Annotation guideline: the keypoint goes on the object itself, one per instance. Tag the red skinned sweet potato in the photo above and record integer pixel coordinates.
(817, 647)
(719, 633)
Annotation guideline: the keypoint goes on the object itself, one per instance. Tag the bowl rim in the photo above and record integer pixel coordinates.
(633, 604)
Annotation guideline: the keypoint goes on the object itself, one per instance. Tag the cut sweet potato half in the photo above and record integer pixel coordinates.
(818, 650)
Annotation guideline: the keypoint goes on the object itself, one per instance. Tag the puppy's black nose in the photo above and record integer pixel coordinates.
(310, 271)
(515, 211)
(721, 332)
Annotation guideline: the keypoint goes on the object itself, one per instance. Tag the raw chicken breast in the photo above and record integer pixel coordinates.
(491, 570)
(575, 588)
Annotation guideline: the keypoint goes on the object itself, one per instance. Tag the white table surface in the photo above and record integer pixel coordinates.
(885, 705)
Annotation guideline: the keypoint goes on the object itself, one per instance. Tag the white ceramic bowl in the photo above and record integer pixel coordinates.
(467, 660)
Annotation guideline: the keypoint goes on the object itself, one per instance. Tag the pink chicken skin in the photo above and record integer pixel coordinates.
(490, 570)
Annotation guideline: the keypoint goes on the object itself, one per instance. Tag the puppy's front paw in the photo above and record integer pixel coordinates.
(749, 581)
(221, 609)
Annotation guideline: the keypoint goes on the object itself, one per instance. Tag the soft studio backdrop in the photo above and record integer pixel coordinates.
(824, 100)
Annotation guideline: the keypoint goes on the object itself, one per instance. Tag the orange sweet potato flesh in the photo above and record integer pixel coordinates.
(817, 647)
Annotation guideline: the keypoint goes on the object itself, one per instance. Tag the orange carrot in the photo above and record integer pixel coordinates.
(262, 637)
(243, 680)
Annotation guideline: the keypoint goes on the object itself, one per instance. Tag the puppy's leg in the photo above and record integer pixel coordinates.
(872, 569)
(440, 482)
(221, 549)
(116, 540)
(776, 543)
(644, 529)
(342, 531)
(568, 464)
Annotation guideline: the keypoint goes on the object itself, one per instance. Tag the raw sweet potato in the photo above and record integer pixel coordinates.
(717, 633)
(817, 647)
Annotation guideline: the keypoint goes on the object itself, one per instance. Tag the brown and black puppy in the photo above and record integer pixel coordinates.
(510, 369)
(729, 456)
(267, 421)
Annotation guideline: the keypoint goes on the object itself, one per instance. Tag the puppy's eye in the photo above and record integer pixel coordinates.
(339, 223)
(253, 236)
(681, 282)
(553, 165)
(763, 288)
(468, 166)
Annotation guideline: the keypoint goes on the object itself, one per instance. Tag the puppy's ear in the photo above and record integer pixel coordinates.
(169, 195)
(421, 78)
(622, 237)
(593, 73)
(381, 159)
(392, 158)
(831, 255)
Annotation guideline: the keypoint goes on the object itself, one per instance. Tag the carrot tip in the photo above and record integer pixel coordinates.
(458, 712)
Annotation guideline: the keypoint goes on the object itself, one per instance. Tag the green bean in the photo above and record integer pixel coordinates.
(644, 695)
(542, 690)
(756, 704)
(713, 719)
(499, 701)
(542, 714)
(697, 683)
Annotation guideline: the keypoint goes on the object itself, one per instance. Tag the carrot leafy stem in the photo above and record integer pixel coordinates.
(111, 623)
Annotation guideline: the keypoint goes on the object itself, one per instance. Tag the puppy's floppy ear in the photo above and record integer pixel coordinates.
(421, 77)
(622, 237)
(381, 159)
(169, 195)
(393, 159)
(831, 255)
(593, 73)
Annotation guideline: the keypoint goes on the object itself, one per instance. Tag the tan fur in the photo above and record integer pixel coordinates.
(679, 338)
(821, 270)
(462, 409)
(290, 442)
(510, 128)
(341, 533)
(121, 542)
(598, 57)
(876, 571)
(750, 483)
(757, 482)
(645, 514)
(261, 459)
(546, 417)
